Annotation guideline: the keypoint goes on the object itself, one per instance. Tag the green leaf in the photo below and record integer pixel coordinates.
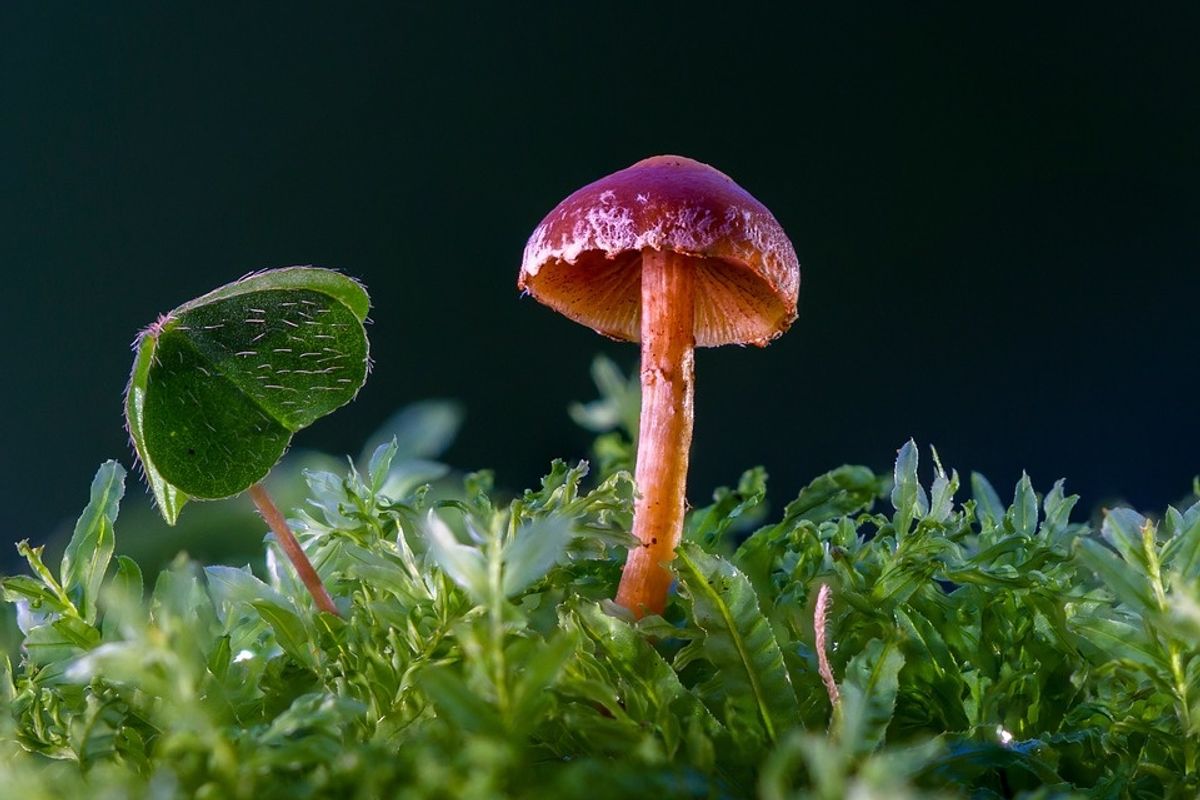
(988, 507)
(868, 694)
(1122, 528)
(396, 573)
(311, 729)
(533, 550)
(455, 700)
(738, 641)
(220, 658)
(421, 430)
(229, 585)
(843, 491)
(221, 383)
(653, 685)
(1130, 586)
(86, 558)
(21, 588)
(380, 464)
(540, 672)
(60, 640)
(181, 601)
(169, 498)
(730, 507)
(908, 498)
(1058, 506)
(128, 578)
(620, 400)
(33, 555)
(288, 629)
(941, 492)
(922, 636)
(1024, 512)
(335, 285)
(464, 564)
(1182, 553)
(8, 690)
(1111, 639)
(966, 760)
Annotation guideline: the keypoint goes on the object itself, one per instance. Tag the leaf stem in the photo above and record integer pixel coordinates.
(295, 553)
(1174, 656)
(1183, 709)
(34, 556)
(496, 624)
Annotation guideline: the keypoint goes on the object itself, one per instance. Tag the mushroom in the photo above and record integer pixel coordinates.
(672, 253)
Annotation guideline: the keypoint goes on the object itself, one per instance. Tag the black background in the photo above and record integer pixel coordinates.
(995, 212)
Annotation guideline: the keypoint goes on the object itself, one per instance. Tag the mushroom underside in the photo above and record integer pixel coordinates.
(733, 304)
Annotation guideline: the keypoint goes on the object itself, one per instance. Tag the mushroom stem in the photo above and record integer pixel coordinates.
(665, 435)
(287, 540)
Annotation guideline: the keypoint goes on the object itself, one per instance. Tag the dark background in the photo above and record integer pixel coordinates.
(996, 214)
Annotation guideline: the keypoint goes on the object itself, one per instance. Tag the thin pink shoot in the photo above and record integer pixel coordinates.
(820, 617)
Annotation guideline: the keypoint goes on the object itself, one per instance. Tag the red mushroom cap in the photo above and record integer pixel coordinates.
(584, 259)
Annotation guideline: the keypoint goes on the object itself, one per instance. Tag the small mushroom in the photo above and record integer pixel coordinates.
(672, 253)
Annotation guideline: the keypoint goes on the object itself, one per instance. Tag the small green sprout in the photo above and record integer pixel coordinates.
(220, 385)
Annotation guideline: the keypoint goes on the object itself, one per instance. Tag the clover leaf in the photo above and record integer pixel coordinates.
(221, 383)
